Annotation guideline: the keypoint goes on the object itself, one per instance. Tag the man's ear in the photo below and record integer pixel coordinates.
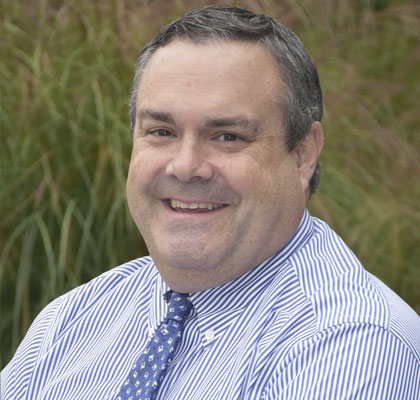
(308, 151)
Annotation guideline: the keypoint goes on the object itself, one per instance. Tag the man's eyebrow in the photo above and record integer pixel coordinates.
(209, 123)
(156, 115)
(232, 121)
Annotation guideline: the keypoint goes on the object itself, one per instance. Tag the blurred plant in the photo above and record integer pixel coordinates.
(66, 72)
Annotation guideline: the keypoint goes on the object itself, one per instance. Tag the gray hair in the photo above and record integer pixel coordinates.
(302, 98)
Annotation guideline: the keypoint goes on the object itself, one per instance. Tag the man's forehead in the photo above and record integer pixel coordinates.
(233, 63)
(225, 51)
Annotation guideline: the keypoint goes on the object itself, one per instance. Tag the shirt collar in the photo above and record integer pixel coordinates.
(216, 309)
(158, 304)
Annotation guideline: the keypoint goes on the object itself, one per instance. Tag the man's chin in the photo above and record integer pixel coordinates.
(187, 276)
(185, 261)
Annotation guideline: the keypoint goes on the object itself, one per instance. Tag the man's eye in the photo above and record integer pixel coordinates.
(161, 132)
(228, 137)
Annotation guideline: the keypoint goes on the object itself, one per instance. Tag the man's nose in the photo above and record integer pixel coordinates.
(190, 161)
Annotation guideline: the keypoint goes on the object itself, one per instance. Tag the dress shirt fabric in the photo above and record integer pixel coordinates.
(308, 323)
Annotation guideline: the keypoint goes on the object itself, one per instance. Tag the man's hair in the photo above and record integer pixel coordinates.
(302, 100)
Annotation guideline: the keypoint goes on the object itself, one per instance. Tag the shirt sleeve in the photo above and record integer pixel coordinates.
(352, 361)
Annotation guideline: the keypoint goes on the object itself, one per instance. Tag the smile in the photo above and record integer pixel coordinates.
(181, 205)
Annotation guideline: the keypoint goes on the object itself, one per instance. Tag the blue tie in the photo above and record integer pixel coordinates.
(147, 374)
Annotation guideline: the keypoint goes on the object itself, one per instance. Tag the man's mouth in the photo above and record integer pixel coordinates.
(178, 205)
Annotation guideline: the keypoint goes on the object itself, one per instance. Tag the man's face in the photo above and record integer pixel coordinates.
(211, 186)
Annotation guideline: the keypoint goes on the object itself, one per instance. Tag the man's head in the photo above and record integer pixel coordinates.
(302, 97)
(216, 182)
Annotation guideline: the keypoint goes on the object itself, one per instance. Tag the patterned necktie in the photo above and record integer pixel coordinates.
(147, 374)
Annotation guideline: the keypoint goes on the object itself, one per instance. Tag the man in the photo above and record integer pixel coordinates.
(226, 111)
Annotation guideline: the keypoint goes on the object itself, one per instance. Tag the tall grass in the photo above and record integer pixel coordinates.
(66, 72)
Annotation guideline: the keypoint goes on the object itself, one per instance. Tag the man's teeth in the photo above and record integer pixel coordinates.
(181, 204)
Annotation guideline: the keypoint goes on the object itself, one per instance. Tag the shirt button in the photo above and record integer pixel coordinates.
(209, 334)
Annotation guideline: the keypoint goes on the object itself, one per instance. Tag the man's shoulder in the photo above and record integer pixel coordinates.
(341, 291)
(340, 321)
(120, 283)
(403, 321)
(115, 278)
(127, 270)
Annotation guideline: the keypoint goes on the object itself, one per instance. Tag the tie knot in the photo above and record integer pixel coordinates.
(179, 306)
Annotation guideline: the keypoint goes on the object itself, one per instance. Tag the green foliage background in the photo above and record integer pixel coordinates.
(66, 69)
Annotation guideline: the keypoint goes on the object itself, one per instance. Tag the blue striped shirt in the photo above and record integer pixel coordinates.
(307, 323)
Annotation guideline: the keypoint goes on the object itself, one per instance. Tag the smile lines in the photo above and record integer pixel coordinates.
(192, 206)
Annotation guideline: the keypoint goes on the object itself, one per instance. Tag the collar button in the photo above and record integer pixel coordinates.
(209, 334)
